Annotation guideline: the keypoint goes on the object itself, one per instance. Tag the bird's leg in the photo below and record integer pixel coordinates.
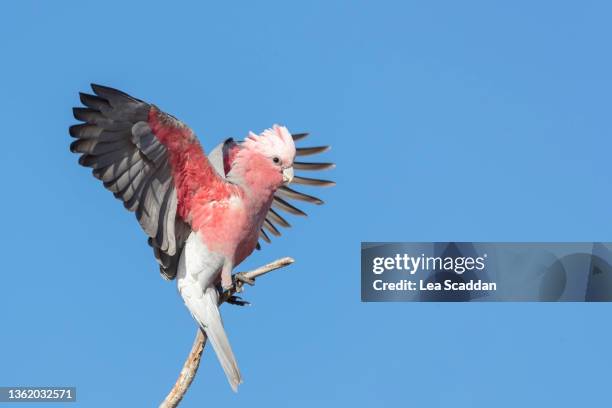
(231, 284)
(227, 281)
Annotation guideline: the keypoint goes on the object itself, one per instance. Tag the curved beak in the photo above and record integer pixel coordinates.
(287, 175)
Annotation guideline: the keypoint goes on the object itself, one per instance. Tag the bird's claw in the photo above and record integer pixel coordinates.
(237, 300)
(240, 279)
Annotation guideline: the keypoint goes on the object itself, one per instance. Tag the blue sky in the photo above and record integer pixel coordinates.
(474, 120)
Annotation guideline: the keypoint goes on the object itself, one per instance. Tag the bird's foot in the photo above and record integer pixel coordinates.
(239, 279)
(237, 300)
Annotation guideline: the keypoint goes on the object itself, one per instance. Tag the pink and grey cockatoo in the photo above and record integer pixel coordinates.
(203, 216)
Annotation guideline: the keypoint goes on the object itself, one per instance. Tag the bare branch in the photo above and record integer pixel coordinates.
(190, 367)
(262, 270)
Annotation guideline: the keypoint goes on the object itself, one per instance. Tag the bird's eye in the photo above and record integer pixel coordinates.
(276, 160)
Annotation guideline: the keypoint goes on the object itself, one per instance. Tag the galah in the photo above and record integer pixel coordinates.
(203, 216)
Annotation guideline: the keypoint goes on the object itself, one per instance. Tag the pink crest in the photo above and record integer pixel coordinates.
(276, 141)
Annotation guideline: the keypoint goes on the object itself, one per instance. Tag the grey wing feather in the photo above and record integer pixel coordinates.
(285, 193)
(116, 141)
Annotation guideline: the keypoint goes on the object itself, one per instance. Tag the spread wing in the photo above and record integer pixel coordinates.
(129, 143)
(283, 198)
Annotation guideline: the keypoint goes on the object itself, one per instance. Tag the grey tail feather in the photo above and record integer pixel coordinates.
(206, 313)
